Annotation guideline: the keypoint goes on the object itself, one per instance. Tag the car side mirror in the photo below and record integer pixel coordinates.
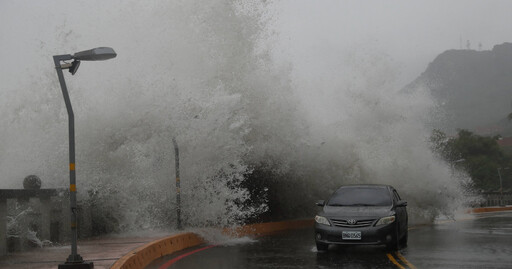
(320, 203)
(401, 204)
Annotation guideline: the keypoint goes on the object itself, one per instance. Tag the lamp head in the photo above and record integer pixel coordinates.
(97, 54)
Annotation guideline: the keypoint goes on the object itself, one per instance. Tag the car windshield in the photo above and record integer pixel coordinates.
(361, 196)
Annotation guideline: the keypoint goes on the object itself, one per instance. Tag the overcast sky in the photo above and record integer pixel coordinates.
(310, 34)
(411, 33)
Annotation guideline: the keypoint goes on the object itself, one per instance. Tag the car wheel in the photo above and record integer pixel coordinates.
(393, 245)
(321, 246)
(404, 239)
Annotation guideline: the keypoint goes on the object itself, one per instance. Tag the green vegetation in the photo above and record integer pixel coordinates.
(479, 156)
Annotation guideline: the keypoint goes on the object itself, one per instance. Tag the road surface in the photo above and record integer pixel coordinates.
(484, 241)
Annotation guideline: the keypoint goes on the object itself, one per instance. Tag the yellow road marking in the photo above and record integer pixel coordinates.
(405, 260)
(72, 188)
(72, 167)
(392, 259)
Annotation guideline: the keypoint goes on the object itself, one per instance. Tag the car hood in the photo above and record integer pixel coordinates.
(357, 211)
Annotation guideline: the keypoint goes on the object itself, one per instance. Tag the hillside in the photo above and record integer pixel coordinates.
(473, 89)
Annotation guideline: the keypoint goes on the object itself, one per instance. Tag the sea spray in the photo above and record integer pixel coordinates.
(206, 74)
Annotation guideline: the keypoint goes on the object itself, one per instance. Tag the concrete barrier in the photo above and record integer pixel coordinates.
(489, 209)
(46, 205)
(144, 255)
(259, 229)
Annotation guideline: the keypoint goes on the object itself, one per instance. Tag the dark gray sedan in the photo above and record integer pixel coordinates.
(362, 215)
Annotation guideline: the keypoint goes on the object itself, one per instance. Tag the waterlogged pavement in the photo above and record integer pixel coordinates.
(481, 241)
(103, 252)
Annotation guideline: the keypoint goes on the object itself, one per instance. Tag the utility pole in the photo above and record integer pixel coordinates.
(178, 187)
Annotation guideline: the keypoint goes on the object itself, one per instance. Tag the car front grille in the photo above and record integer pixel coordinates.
(358, 224)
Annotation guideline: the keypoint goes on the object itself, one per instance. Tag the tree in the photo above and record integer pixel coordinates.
(481, 154)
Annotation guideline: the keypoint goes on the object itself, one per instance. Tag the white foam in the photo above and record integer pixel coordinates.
(205, 73)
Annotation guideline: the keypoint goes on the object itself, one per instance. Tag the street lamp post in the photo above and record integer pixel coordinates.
(98, 54)
(501, 185)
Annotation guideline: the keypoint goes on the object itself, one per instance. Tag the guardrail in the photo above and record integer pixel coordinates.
(45, 216)
(496, 199)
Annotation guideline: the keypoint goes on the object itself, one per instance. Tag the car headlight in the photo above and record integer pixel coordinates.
(322, 220)
(385, 220)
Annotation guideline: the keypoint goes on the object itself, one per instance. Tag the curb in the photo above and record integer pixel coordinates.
(144, 255)
(489, 209)
(259, 229)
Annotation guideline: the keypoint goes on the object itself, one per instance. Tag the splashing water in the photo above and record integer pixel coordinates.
(206, 73)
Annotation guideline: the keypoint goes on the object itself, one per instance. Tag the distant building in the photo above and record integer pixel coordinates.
(488, 130)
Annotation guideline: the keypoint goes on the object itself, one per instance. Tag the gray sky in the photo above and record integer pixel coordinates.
(310, 33)
(331, 46)
(411, 33)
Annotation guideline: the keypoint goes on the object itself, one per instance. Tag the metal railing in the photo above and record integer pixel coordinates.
(496, 199)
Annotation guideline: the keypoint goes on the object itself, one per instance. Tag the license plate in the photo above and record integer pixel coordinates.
(351, 235)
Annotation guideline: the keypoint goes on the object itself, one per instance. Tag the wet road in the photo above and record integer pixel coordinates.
(482, 242)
